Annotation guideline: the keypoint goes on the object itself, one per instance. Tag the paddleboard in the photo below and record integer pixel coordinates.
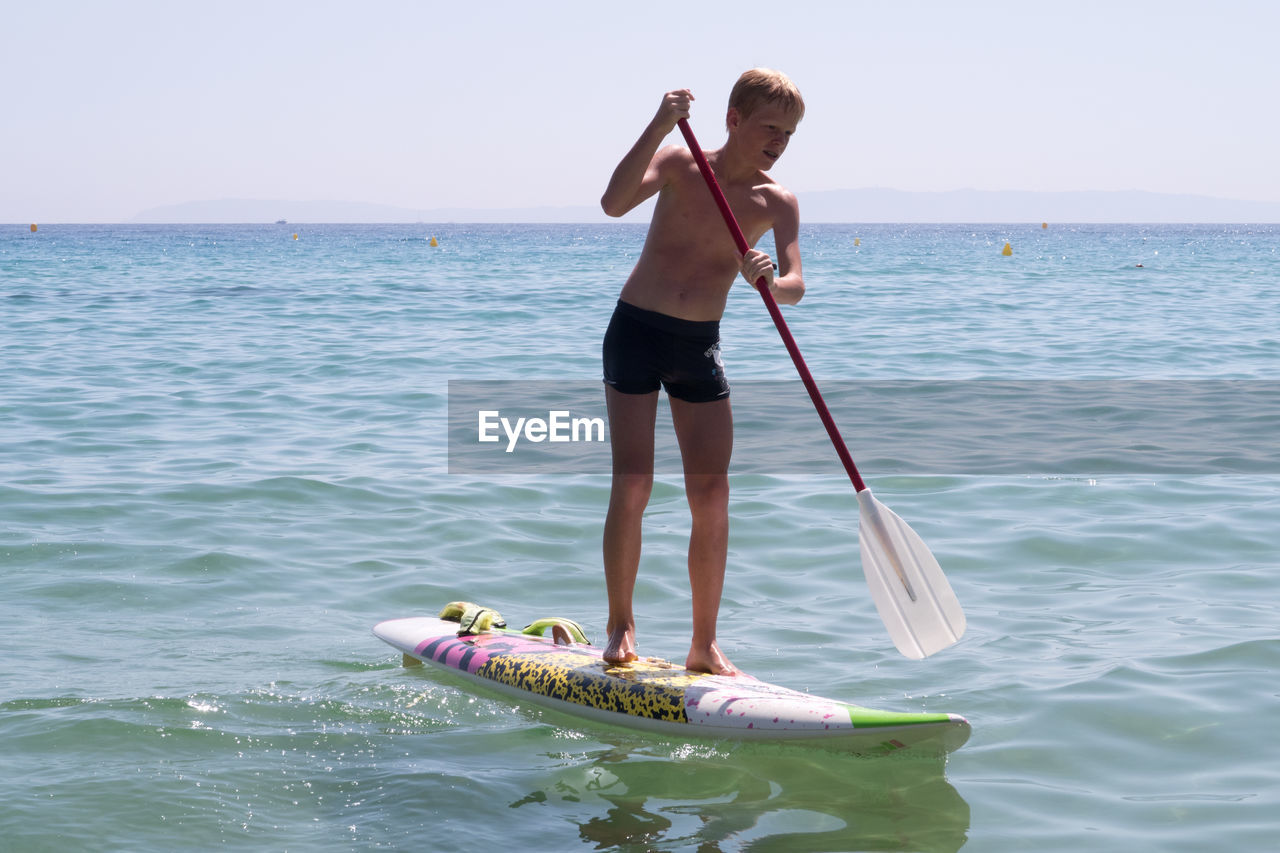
(567, 674)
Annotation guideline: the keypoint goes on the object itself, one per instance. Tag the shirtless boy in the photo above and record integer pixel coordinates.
(665, 331)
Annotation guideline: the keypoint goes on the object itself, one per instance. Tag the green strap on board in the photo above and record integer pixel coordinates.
(472, 618)
(539, 628)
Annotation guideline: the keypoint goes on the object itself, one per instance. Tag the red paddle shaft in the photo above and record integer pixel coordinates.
(774, 312)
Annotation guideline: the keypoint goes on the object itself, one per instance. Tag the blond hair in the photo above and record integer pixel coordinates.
(761, 86)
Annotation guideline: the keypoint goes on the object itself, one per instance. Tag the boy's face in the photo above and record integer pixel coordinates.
(765, 133)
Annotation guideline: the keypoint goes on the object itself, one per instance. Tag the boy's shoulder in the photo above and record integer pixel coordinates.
(770, 184)
(675, 155)
(777, 193)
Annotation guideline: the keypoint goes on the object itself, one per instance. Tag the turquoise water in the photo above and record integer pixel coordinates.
(223, 459)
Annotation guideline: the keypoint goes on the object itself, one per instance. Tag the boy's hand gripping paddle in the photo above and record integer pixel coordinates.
(907, 585)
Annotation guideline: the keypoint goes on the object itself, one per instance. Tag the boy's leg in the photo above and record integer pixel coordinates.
(705, 433)
(631, 424)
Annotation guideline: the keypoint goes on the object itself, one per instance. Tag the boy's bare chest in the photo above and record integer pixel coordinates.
(700, 215)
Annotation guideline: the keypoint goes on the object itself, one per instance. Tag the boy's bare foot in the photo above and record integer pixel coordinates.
(621, 647)
(710, 660)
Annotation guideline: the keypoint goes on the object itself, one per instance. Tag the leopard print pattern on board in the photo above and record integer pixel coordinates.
(641, 689)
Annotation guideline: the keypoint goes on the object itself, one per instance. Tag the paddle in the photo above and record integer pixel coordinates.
(911, 593)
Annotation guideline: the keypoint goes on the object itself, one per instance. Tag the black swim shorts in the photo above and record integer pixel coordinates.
(645, 349)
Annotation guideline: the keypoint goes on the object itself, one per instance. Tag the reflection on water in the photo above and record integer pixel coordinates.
(755, 797)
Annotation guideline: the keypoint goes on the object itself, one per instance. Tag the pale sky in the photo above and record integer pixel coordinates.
(110, 108)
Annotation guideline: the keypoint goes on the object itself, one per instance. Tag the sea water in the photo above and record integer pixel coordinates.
(225, 455)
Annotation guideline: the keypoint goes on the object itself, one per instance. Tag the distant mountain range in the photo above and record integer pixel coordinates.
(886, 205)
(266, 210)
(860, 205)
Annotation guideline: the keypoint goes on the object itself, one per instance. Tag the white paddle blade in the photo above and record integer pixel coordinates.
(911, 593)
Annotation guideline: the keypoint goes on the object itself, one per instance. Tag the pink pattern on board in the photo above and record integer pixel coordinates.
(450, 651)
(454, 655)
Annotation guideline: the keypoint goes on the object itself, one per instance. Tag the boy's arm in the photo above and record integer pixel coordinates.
(639, 175)
(787, 284)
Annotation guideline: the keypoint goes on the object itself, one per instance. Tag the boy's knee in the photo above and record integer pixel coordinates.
(707, 492)
(632, 490)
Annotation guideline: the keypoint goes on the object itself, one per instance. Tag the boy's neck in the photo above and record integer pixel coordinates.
(731, 165)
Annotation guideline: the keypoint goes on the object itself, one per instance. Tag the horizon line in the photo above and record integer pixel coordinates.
(866, 205)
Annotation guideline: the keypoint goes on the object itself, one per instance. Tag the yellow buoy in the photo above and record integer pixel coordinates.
(1044, 224)
(857, 241)
(33, 228)
(295, 236)
(433, 242)
(1007, 250)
